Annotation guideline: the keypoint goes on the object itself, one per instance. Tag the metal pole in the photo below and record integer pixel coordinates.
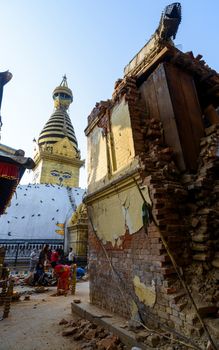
(16, 256)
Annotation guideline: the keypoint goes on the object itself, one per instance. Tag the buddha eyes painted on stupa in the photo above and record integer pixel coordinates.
(60, 174)
(54, 173)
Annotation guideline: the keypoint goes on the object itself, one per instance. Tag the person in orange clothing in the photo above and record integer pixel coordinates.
(63, 274)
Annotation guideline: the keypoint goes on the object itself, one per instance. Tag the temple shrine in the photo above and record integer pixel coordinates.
(41, 211)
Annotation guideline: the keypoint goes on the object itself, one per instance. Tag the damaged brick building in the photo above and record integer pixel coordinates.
(153, 189)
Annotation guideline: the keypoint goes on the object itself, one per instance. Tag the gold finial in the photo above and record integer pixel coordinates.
(62, 95)
(64, 81)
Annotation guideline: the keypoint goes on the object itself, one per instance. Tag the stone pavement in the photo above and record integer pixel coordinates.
(33, 324)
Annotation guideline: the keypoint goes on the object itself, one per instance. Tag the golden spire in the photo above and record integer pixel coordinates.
(62, 95)
(59, 124)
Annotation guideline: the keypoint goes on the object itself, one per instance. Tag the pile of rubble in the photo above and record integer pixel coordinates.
(91, 335)
(95, 337)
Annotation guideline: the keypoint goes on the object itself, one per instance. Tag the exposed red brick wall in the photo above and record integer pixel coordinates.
(177, 200)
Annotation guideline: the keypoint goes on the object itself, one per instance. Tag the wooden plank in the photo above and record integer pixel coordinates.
(146, 67)
(180, 112)
(136, 67)
(193, 109)
(167, 115)
(187, 113)
(148, 94)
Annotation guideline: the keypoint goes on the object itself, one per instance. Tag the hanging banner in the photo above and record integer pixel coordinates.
(9, 171)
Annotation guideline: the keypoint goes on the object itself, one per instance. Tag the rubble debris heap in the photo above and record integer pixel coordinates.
(152, 164)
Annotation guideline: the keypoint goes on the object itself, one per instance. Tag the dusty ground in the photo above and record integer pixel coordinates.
(34, 324)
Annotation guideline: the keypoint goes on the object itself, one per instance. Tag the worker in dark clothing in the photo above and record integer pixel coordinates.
(43, 256)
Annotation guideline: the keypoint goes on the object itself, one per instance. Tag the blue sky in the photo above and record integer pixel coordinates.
(90, 41)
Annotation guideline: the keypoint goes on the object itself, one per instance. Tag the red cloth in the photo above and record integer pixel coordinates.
(63, 274)
(54, 257)
(9, 171)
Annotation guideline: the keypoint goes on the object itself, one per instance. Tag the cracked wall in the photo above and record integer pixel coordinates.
(130, 269)
(119, 213)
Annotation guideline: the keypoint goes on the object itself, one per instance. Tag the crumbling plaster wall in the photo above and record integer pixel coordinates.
(127, 285)
(115, 211)
(129, 267)
(111, 152)
(118, 212)
(121, 136)
(97, 158)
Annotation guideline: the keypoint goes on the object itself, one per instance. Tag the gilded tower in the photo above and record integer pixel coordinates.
(57, 156)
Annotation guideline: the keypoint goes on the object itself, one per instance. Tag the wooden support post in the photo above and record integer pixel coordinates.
(8, 298)
(2, 257)
(73, 278)
(3, 292)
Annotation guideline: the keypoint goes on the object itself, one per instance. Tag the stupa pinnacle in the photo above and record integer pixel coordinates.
(57, 156)
(59, 124)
